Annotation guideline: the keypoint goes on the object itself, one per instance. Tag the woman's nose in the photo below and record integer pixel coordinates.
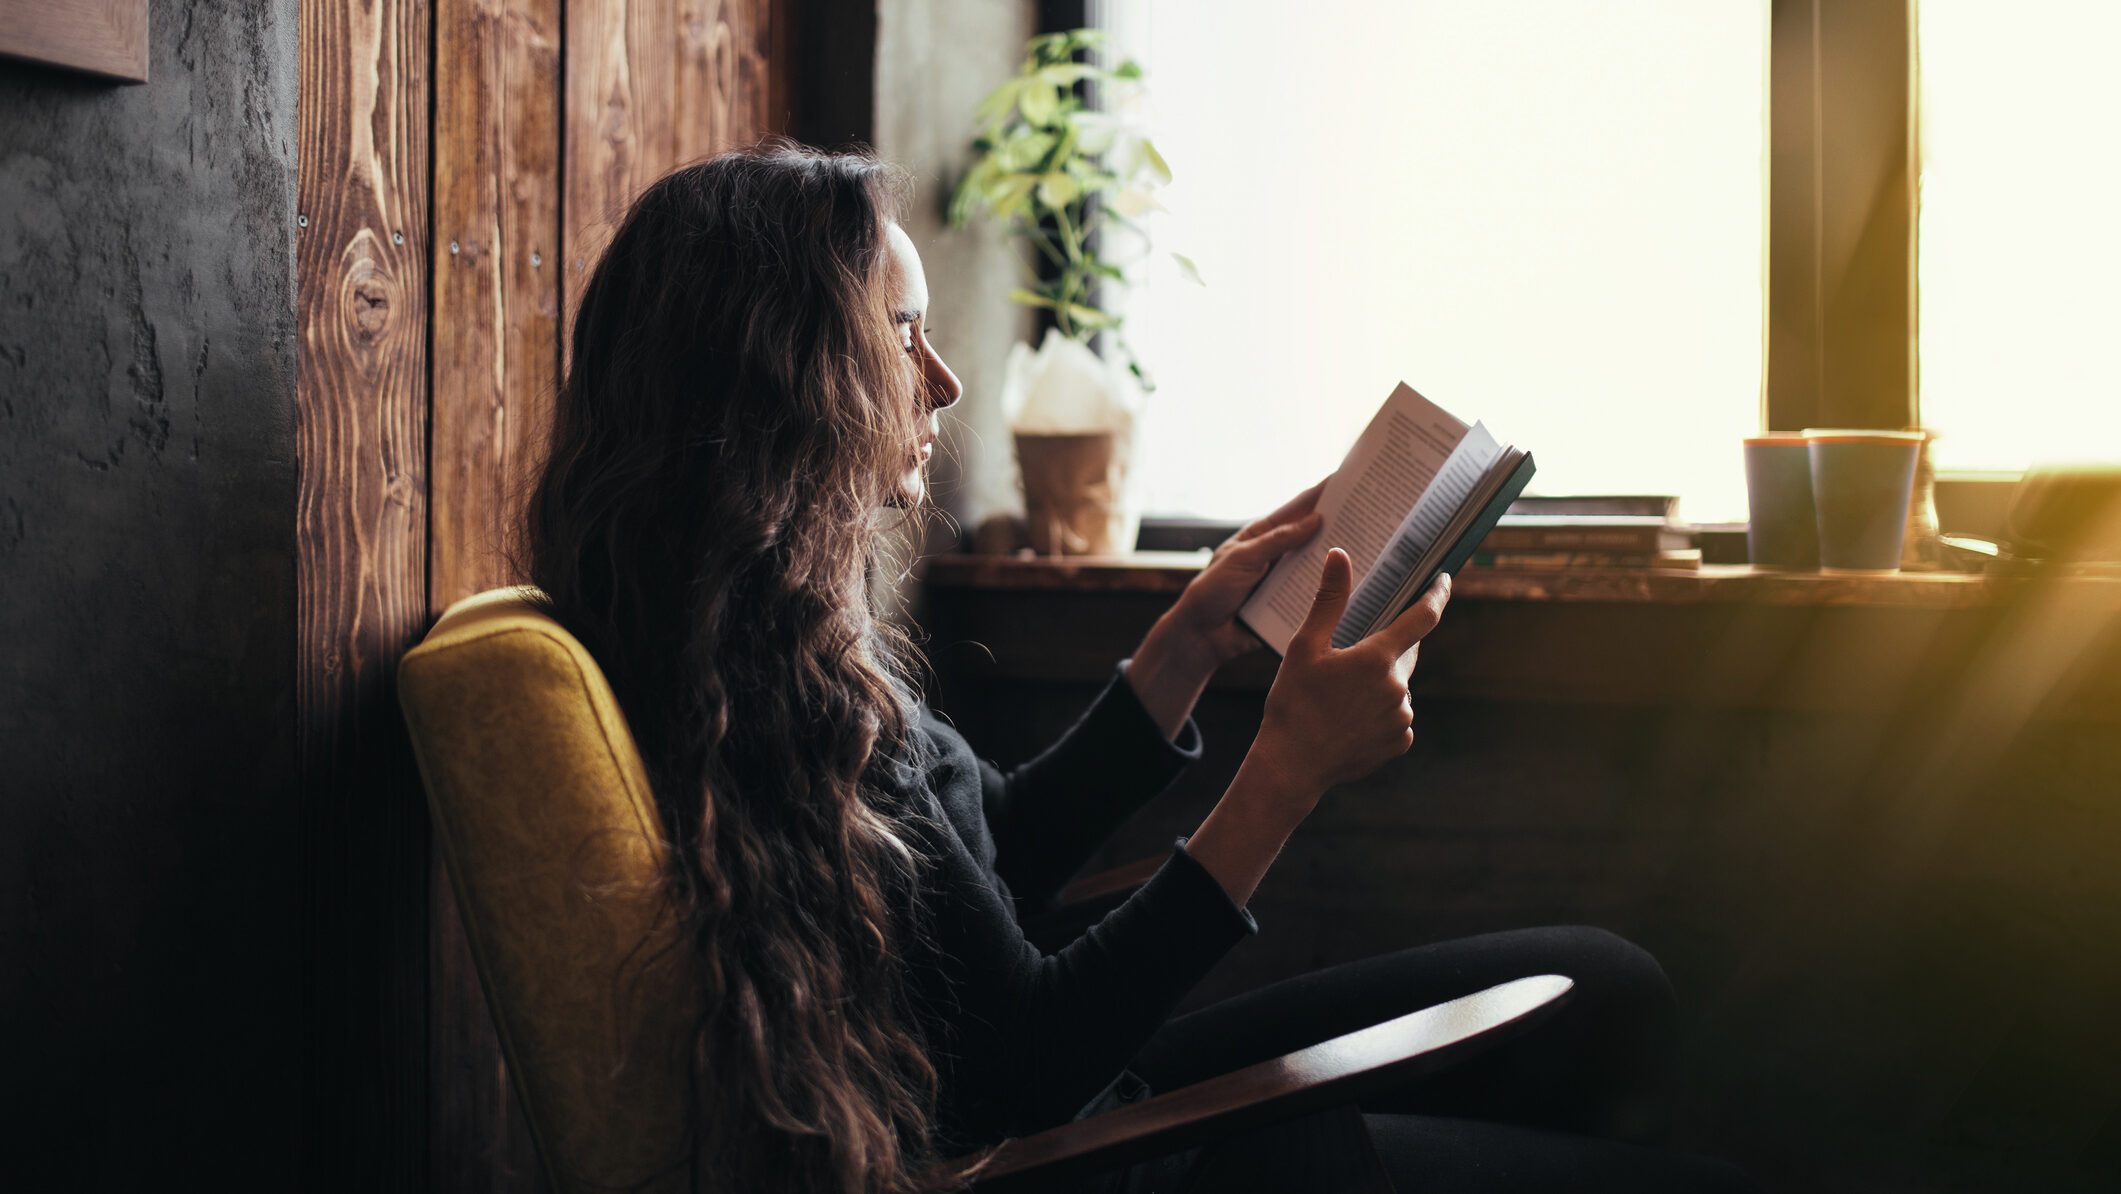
(943, 387)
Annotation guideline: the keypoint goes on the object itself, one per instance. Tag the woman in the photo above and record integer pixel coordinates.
(751, 386)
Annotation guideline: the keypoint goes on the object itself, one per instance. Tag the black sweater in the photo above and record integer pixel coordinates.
(1023, 1038)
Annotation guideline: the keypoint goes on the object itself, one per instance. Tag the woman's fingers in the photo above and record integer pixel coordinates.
(1290, 511)
(1262, 550)
(1417, 620)
(1334, 582)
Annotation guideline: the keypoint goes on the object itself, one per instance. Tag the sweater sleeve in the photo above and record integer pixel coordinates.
(1048, 815)
(1041, 1034)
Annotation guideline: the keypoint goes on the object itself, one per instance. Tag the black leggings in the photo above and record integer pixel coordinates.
(1575, 1104)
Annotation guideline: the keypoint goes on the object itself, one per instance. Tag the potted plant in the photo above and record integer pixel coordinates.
(1065, 177)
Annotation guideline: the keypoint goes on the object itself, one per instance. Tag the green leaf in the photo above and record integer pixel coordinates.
(1155, 160)
(1090, 317)
(1047, 47)
(1058, 189)
(1094, 131)
(964, 201)
(1127, 69)
(998, 102)
(972, 192)
(1008, 196)
(1067, 74)
(1064, 151)
(1025, 150)
(1029, 298)
(1093, 180)
(1088, 38)
(1187, 270)
(1038, 101)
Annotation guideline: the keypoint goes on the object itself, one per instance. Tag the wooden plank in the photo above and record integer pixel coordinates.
(102, 37)
(496, 369)
(620, 135)
(496, 291)
(649, 87)
(724, 76)
(361, 324)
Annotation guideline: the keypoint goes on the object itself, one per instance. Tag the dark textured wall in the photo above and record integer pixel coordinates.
(148, 830)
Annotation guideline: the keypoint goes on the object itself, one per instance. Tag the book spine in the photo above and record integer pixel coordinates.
(1563, 559)
(1645, 540)
(1483, 525)
(1688, 560)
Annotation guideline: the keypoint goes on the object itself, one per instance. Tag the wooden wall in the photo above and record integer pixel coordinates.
(462, 164)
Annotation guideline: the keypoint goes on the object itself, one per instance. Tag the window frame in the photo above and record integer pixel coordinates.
(1842, 210)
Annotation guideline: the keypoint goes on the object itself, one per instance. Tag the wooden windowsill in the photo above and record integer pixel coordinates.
(1168, 572)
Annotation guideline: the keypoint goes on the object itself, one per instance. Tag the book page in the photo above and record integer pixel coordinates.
(1452, 548)
(1364, 504)
(1414, 539)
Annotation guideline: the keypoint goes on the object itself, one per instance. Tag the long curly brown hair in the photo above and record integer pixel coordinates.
(737, 411)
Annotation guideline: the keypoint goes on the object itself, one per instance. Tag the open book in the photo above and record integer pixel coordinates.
(1414, 497)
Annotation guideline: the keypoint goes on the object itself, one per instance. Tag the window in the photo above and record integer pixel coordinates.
(2019, 260)
(1544, 215)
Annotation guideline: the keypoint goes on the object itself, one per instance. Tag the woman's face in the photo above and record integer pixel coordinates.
(935, 386)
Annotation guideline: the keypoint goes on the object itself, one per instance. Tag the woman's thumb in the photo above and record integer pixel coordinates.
(1334, 581)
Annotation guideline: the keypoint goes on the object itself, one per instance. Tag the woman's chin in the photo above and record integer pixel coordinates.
(912, 488)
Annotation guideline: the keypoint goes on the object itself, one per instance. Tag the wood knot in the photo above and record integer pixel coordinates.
(371, 307)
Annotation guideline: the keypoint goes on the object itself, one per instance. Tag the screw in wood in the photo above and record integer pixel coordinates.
(397, 238)
(536, 261)
(301, 221)
(452, 248)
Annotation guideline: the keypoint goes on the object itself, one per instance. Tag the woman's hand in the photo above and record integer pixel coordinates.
(1332, 716)
(1208, 607)
(1335, 715)
(1200, 632)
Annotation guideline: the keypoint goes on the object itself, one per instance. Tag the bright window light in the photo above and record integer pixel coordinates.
(2020, 256)
(1543, 214)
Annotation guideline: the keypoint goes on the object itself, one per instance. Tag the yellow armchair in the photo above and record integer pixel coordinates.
(546, 823)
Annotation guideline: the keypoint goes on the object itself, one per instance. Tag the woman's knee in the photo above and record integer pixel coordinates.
(1606, 967)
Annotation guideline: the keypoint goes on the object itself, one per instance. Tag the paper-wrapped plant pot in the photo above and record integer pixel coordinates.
(1072, 488)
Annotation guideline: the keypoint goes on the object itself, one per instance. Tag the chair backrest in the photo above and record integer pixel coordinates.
(543, 811)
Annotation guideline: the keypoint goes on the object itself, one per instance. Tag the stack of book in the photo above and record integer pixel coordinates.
(1591, 532)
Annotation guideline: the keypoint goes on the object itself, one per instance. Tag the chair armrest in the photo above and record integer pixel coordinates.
(1342, 1070)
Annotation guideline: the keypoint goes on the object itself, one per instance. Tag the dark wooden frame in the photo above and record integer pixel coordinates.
(1841, 215)
(101, 37)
